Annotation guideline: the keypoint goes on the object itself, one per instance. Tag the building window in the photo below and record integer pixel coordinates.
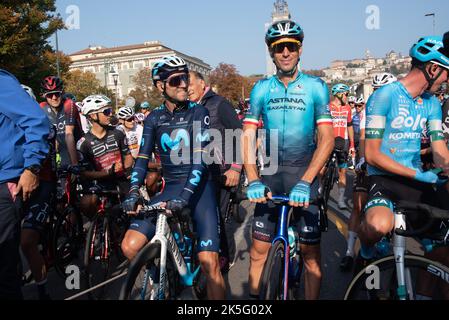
(125, 66)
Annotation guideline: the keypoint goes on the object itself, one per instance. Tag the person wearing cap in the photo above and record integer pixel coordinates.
(145, 108)
(297, 106)
(395, 119)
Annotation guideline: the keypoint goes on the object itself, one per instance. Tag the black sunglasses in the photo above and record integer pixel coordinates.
(107, 112)
(53, 94)
(291, 46)
(129, 120)
(177, 80)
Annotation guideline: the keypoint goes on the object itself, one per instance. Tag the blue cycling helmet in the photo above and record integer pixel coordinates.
(339, 88)
(432, 49)
(144, 105)
(284, 29)
(167, 66)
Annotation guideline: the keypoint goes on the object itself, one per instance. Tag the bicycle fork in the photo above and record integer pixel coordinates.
(403, 274)
(282, 233)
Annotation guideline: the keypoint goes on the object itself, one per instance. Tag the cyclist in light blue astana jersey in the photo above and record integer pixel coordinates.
(297, 105)
(396, 116)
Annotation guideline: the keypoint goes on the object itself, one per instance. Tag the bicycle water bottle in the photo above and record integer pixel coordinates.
(383, 247)
(292, 242)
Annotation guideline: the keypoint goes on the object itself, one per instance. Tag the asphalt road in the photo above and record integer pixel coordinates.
(333, 248)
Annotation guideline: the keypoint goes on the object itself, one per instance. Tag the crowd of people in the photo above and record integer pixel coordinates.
(393, 140)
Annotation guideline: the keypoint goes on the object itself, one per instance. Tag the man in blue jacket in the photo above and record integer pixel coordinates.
(24, 129)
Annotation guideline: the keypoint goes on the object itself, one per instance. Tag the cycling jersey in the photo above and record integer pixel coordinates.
(399, 120)
(294, 111)
(134, 137)
(66, 115)
(102, 153)
(358, 121)
(181, 139)
(341, 119)
(446, 120)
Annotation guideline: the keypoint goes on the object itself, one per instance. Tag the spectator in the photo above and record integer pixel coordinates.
(24, 128)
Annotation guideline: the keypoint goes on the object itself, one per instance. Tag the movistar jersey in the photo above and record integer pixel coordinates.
(399, 120)
(181, 139)
(295, 111)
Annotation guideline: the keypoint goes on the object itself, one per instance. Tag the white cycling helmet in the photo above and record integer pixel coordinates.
(29, 91)
(95, 103)
(383, 79)
(360, 101)
(125, 113)
(352, 99)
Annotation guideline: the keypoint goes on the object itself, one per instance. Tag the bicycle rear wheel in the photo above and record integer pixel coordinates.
(378, 281)
(143, 279)
(272, 280)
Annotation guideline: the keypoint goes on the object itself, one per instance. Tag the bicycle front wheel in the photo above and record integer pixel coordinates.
(272, 280)
(378, 281)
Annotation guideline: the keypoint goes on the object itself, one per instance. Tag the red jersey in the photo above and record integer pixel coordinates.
(341, 120)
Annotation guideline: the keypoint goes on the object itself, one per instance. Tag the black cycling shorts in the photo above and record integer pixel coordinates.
(39, 207)
(305, 220)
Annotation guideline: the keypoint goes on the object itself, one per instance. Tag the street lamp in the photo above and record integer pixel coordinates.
(431, 15)
(115, 77)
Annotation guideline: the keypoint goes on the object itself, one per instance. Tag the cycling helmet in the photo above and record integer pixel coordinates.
(140, 117)
(383, 79)
(145, 105)
(125, 113)
(94, 103)
(167, 66)
(432, 49)
(52, 84)
(339, 88)
(284, 29)
(360, 101)
(352, 99)
(70, 96)
(29, 91)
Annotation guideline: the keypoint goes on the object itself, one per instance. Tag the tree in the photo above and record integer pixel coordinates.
(82, 84)
(229, 83)
(25, 27)
(145, 90)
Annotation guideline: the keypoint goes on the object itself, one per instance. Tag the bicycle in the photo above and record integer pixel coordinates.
(234, 209)
(283, 266)
(400, 274)
(156, 275)
(103, 241)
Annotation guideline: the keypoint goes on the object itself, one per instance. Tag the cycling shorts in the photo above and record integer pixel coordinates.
(205, 215)
(39, 207)
(305, 220)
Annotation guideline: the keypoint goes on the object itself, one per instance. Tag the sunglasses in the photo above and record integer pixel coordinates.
(50, 95)
(177, 80)
(129, 120)
(107, 112)
(291, 46)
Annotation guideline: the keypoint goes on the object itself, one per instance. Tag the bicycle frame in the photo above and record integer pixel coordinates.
(165, 237)
(399, 243)
(282, 235)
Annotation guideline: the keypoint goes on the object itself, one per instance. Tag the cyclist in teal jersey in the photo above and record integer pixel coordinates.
(396, 116)
(297, 105)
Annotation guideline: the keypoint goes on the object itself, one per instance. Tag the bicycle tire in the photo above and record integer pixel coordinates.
(387, 266)
(271, 281)
(68, 240)
(147, 258)
(99, 229)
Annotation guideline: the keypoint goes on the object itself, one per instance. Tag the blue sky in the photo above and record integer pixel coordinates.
(232, 31)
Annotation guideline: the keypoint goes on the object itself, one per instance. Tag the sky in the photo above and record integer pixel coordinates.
(232, 31)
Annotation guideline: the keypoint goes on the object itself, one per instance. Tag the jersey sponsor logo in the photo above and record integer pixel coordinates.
(405, 120)
(110, 145)
(202, 137)
(286, 100)
(207, 120)
(207, 243)
(405, 136)
(168, 143)
(134, 178)
(197, 178)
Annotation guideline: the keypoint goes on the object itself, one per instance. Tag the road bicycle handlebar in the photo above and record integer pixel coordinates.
(432, 214)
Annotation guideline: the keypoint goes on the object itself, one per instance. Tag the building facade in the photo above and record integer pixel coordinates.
(127, 61)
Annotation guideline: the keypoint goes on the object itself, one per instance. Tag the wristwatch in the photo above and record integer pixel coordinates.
(35, 169)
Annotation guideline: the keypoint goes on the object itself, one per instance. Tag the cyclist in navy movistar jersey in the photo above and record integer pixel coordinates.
(178, 129)
(396, 116)
(298, 106)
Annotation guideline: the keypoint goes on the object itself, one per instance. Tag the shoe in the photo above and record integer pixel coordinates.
(342, 204)
(346, 263)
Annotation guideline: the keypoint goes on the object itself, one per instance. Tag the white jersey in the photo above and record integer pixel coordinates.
(134, 137)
